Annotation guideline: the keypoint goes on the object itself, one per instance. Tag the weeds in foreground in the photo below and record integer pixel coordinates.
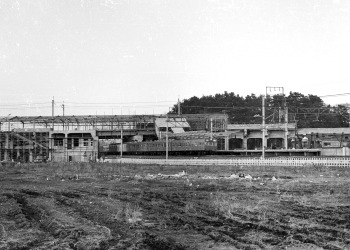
(302, 200)
(222, 205)
(110, 192)
(302, 224)
(327, 199)
(129, 213)
(229, 207)
(257, 238)
(189, 207)
(133, 214)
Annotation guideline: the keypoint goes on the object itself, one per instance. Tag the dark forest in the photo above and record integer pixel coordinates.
(307, 111)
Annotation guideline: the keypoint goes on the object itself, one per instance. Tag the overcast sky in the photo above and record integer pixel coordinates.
(139, 54)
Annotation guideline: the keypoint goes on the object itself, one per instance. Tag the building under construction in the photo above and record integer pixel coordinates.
(78, 138)
(83, 138)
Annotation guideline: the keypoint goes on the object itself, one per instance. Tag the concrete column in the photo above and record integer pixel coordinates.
(265, 138)
(30, 155)
(226, 142)
(245, 143)
(285, 139)
(50, 147)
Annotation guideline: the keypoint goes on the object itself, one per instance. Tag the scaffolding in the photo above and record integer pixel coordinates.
(89, 122)
(24, 146)
(31, 138)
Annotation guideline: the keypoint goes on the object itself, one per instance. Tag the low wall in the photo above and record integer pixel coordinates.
(343, 151)
(287, 161)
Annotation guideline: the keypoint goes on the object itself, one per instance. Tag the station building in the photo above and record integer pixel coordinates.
(81, 138)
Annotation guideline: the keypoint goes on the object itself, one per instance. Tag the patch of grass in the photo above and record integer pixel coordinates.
(225, 205)
(329, 199)
(189, 207)
(133, 213)
(302, 200)
(257, 237)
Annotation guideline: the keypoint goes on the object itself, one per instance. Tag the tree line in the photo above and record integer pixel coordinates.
(307, 111)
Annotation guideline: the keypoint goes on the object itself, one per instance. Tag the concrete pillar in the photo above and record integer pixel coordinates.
(245, 143)
(30, 155)
(265, 139)
(226, 142)
(285, 140)
(50, 148)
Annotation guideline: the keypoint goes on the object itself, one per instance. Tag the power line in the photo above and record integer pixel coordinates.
(341, 94)
(118, 103)
(80, 104)
(23, 104)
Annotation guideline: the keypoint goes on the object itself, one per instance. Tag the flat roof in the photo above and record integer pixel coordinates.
(269, 126)
(77, 119)
(306, 131)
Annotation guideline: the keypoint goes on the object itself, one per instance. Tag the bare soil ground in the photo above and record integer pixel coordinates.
(111, 206)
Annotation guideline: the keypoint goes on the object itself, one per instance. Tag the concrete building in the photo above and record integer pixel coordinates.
(286, 139)
(249, 136)
(78, 146)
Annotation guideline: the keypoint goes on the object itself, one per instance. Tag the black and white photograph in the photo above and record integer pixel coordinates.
(174, 124)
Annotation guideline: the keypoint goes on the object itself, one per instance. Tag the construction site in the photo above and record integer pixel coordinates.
(78, 138)
(83, 138)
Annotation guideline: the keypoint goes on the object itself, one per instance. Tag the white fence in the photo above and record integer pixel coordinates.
(288, 161)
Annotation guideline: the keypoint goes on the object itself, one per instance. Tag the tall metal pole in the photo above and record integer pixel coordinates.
(53, 111)
(263, 127)
(166, 140)
(286, 127)
(211, 128)
(8, 121)
(63, 114)
(121, 142)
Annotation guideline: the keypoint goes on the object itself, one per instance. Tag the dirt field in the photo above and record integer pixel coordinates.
(109, 206)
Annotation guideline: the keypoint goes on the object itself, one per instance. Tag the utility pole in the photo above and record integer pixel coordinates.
(211, 128)
(8, 122)
(62, 108)
(286, 126)
(166, 140)
(53, 111)
(63, 113)
(121, 142)
(263, 127)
